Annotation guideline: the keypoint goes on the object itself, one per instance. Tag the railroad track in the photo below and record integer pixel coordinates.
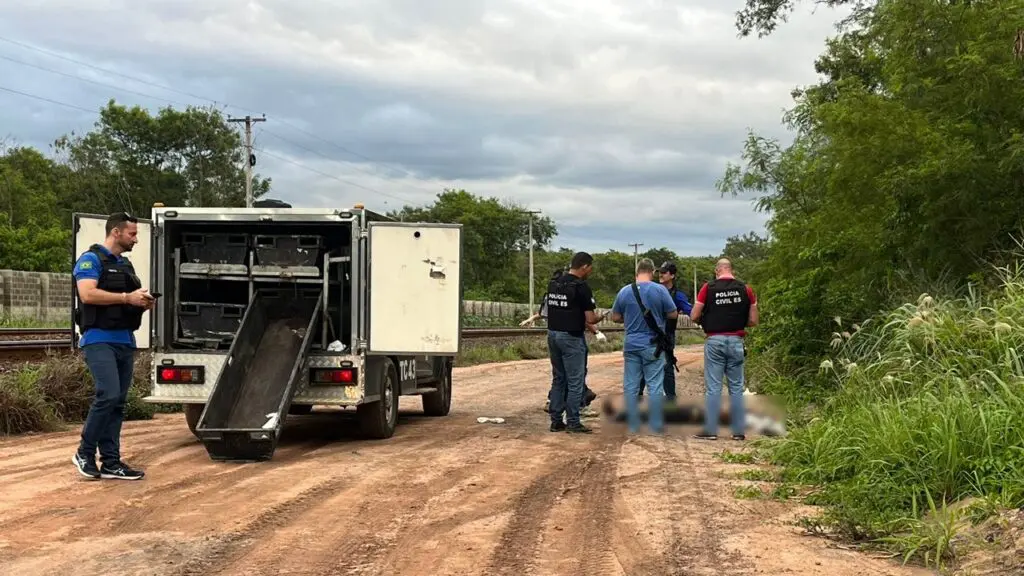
(25, 340)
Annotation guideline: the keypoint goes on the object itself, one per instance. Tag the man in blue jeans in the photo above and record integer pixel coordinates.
(668, 271)
(570, 307)
(111, 302)
(644, 307)
(728, 307)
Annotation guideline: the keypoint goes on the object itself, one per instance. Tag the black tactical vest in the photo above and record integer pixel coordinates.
(564, 311)
(726, 306)
(116, 277)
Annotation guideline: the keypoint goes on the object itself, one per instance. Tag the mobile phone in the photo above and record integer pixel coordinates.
(155, 294)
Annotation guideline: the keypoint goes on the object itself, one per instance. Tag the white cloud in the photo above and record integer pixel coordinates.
(612, 116)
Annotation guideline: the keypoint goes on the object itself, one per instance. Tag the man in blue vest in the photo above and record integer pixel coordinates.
(111, 302)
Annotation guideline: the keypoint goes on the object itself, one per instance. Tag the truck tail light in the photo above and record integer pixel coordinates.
(180, 375)
(333, 376)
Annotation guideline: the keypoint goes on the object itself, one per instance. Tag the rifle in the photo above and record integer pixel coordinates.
(660, 340)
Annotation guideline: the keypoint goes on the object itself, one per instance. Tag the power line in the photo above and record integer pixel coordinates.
(89, 80)
(264, 152)
(322, 155)
(143, 94)
(332, 176)
(200, 97)
(45, 99)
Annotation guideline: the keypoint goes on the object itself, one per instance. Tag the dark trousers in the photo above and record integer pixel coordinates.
(586, 389)
(111, 366)
(670, 374)
(568, 355)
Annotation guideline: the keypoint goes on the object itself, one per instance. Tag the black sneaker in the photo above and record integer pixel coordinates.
(703, 436)
(120, 471)
(589, 397)
(558, 426)
(86, 466)
(578, 429)
(739, 437)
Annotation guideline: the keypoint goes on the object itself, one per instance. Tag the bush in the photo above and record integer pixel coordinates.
(38, 398)
(927, 411)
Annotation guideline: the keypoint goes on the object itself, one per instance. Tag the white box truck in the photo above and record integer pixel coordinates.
(266, 312)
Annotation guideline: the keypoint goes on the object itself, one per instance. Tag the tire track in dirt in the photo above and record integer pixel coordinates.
(700, 553)
(335, 539)
(516, 553)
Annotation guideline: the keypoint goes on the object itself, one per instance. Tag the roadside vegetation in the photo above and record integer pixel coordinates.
(892, 305)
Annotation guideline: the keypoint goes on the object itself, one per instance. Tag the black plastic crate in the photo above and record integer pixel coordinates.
(200, 248)
(209, 320)
(288, 250)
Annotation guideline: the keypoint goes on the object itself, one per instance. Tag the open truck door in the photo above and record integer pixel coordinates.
(415, 288)
(89, 229)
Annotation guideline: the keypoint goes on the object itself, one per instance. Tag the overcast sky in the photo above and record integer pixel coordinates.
(614, 117)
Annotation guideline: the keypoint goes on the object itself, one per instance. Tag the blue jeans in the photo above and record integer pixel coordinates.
(723, 356)
(568, 355)
(669, 383)
(111, 366)
(641, 364)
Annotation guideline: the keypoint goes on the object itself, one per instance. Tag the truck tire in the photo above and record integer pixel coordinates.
(378, 419)
(192, 414)
(440, 403)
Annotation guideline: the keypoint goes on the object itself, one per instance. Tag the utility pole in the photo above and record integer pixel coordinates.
(530, 214)
(636, 256)
(250, 158)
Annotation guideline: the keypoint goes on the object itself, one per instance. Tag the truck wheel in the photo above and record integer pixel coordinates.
(378, 419)
(192, 414)
(440, 402)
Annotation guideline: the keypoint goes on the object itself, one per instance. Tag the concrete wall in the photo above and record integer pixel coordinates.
(39, 295)
(47, 297)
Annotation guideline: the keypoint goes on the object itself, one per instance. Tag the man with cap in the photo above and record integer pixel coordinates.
(667, 277)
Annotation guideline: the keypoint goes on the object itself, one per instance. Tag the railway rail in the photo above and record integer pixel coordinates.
(28, 340)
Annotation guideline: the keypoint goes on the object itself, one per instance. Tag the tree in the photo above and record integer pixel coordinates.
(181, 158)
(905, 164)
(764, 16)
(129, 161)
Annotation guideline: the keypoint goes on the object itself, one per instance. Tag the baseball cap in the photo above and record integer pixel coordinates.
(668, 266)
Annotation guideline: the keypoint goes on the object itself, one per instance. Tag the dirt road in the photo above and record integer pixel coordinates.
(444, 496)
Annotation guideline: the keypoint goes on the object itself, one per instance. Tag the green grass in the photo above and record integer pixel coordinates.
(522, 348)
(16, 322)
(928, 412)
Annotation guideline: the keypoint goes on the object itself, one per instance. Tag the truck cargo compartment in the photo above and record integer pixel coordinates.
(246, 410)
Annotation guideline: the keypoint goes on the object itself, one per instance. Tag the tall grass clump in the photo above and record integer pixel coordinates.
(928, 410)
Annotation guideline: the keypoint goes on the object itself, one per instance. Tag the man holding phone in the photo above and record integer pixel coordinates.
(110, 304)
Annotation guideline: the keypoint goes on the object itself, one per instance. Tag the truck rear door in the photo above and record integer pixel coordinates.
(414, 288)
(90, 229)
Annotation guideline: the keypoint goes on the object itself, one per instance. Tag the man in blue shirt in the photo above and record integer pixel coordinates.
(668, 272)
(641, 344)
(111, 303)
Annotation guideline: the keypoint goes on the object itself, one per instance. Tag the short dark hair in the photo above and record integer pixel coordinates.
(581, 259)
(119, 219)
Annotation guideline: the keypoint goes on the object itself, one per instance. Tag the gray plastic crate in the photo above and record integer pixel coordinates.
(214, 253)
(210, 321)
(288, 250)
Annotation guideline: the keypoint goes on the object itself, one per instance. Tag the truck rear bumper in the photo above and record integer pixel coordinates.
(213, 364)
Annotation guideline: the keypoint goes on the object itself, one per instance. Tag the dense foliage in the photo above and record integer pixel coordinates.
(905, 176)
(905, 170)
